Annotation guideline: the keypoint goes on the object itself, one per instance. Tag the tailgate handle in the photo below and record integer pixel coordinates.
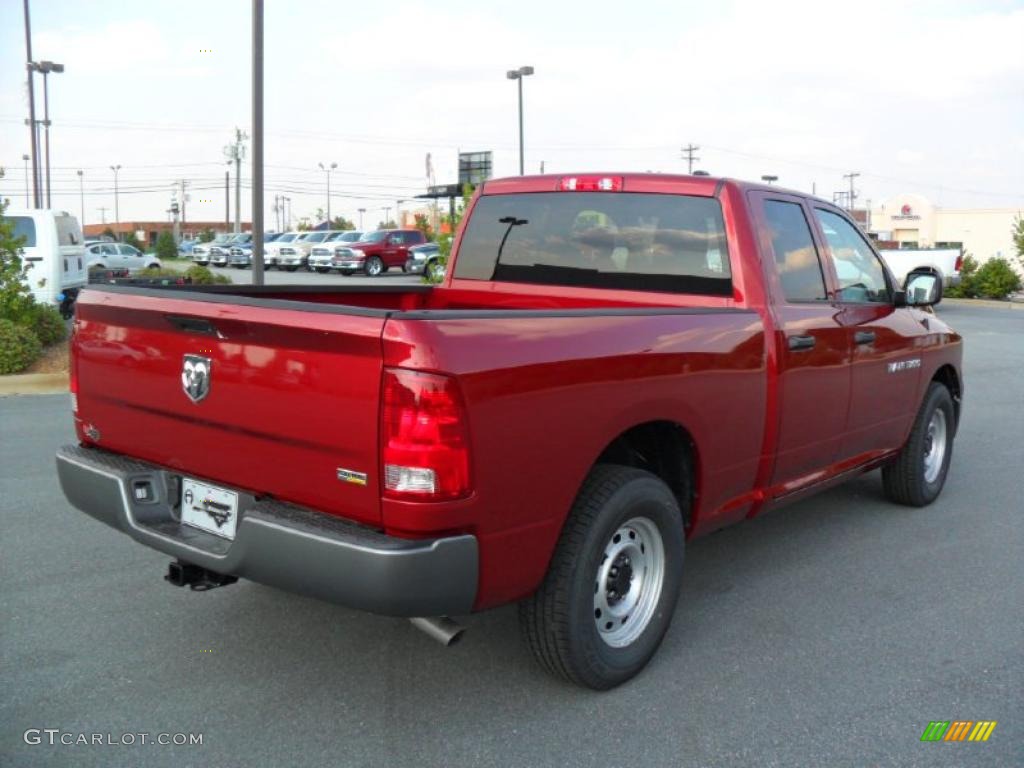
(864, 337)
(193, 325)
(801, 342)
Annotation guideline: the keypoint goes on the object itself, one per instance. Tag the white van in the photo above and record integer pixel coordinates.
(54, 253)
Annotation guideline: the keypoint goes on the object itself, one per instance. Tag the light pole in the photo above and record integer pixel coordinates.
(398, 212)
(81, 196)
(117, 211)
(769, 178)
(46, 67)
(327, 169)
(361, 212)
(387, 215)
(519, 74)
(26, 159)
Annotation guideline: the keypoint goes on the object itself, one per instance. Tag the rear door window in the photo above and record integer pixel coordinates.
(626, 241)
(796, 257)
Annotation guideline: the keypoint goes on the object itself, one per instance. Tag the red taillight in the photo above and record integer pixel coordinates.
(590, 184)
(73, 375)
(959, 262)
(424, 440)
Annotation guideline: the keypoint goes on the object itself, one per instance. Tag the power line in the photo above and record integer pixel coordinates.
(688, 151)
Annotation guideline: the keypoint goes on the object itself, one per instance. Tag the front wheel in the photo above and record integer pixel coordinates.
(612, 585)
(916, 476)
(374, 266)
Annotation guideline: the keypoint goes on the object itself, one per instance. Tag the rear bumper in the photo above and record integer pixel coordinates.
(277, 544)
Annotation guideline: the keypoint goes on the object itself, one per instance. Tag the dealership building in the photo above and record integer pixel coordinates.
(913, 221)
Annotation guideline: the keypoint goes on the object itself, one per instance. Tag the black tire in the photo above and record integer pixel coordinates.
(559, 621)
(323, 270)
(153, 266)
(346, 272)
(906, 480)
(292, 268)
(374, 266)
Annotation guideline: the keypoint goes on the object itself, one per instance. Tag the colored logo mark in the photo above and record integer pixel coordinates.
(959, 730)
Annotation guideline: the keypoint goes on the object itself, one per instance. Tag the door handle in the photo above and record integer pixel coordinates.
(864, 337)
(800, 342)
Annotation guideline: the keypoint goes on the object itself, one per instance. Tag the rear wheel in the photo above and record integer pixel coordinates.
(153, 266)
(916, 476)
(323, 270)
(291, 268)
(374, 266)
(346, 272)
(612, 585)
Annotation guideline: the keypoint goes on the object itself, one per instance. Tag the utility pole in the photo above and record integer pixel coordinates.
(26, 158)
(227, 200)
(327, 169)
(688, 153)
(103, 214)
(117, 210)
(183, 199)
(81, 195)
(37, 200)
(361, 212)
(853, 195)
(387, 215)
(234, 153)
(257, 142)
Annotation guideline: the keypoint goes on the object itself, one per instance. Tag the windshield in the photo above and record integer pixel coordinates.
(373, 237)
(628, 241)
(316, 237)
(286, 238)
(350, 237)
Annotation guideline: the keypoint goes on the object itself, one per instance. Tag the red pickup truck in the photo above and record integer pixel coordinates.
(614, 365)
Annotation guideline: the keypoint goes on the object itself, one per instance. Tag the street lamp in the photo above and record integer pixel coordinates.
(117, 211)
(398, 212)
(769, 178)
(26, 159)
(361, 212)
(519, 74)
(327, 169)
(387, 215)
(46, 67)
(81, 196)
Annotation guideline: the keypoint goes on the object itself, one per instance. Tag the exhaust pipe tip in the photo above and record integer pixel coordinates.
(440, 628)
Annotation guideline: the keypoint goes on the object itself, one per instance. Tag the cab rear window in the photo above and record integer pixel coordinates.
(24, 227)
(619, 240)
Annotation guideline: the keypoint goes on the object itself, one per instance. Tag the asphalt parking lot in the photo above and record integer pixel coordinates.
(827, 634)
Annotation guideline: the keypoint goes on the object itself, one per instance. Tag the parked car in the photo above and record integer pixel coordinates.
(120, 256)
(944, 262)
(425, 259)
(295, 254)
(185, 247)
(220, 253)
(613, 366)
(201, 251)
(322, 255)
(272, 249)
(241, 255)
(376, 252)
(53, 253)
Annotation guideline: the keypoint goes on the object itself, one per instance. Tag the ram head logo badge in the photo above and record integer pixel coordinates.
(195, 376)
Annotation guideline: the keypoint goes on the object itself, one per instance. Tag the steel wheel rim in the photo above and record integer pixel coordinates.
(935, 446)
(374, 268)
(629, 581)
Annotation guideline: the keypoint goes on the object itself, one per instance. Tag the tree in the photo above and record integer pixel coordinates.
(423, 225)
(996, 279)
(1018, 238)
(109, 233)
(16, 298)
(340, 222)
(304, 225)
(165, 246)
(206, 235)
(445, 239)
(389, 224)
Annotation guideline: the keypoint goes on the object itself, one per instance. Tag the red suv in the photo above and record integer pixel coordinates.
(376, 252)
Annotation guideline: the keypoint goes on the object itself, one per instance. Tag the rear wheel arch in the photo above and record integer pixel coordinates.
(664, 448)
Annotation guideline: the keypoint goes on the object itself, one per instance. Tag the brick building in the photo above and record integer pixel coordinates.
(146, 232)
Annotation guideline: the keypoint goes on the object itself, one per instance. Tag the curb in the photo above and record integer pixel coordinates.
(33, 384)
(989, 303)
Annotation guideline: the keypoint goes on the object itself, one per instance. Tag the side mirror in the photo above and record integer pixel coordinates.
(922, 289)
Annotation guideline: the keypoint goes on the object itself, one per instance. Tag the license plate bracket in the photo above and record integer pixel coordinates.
(209, 508)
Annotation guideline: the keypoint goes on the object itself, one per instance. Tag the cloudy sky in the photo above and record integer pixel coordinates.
(923, 97)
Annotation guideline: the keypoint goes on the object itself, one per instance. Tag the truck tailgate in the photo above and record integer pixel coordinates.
(292, 397)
